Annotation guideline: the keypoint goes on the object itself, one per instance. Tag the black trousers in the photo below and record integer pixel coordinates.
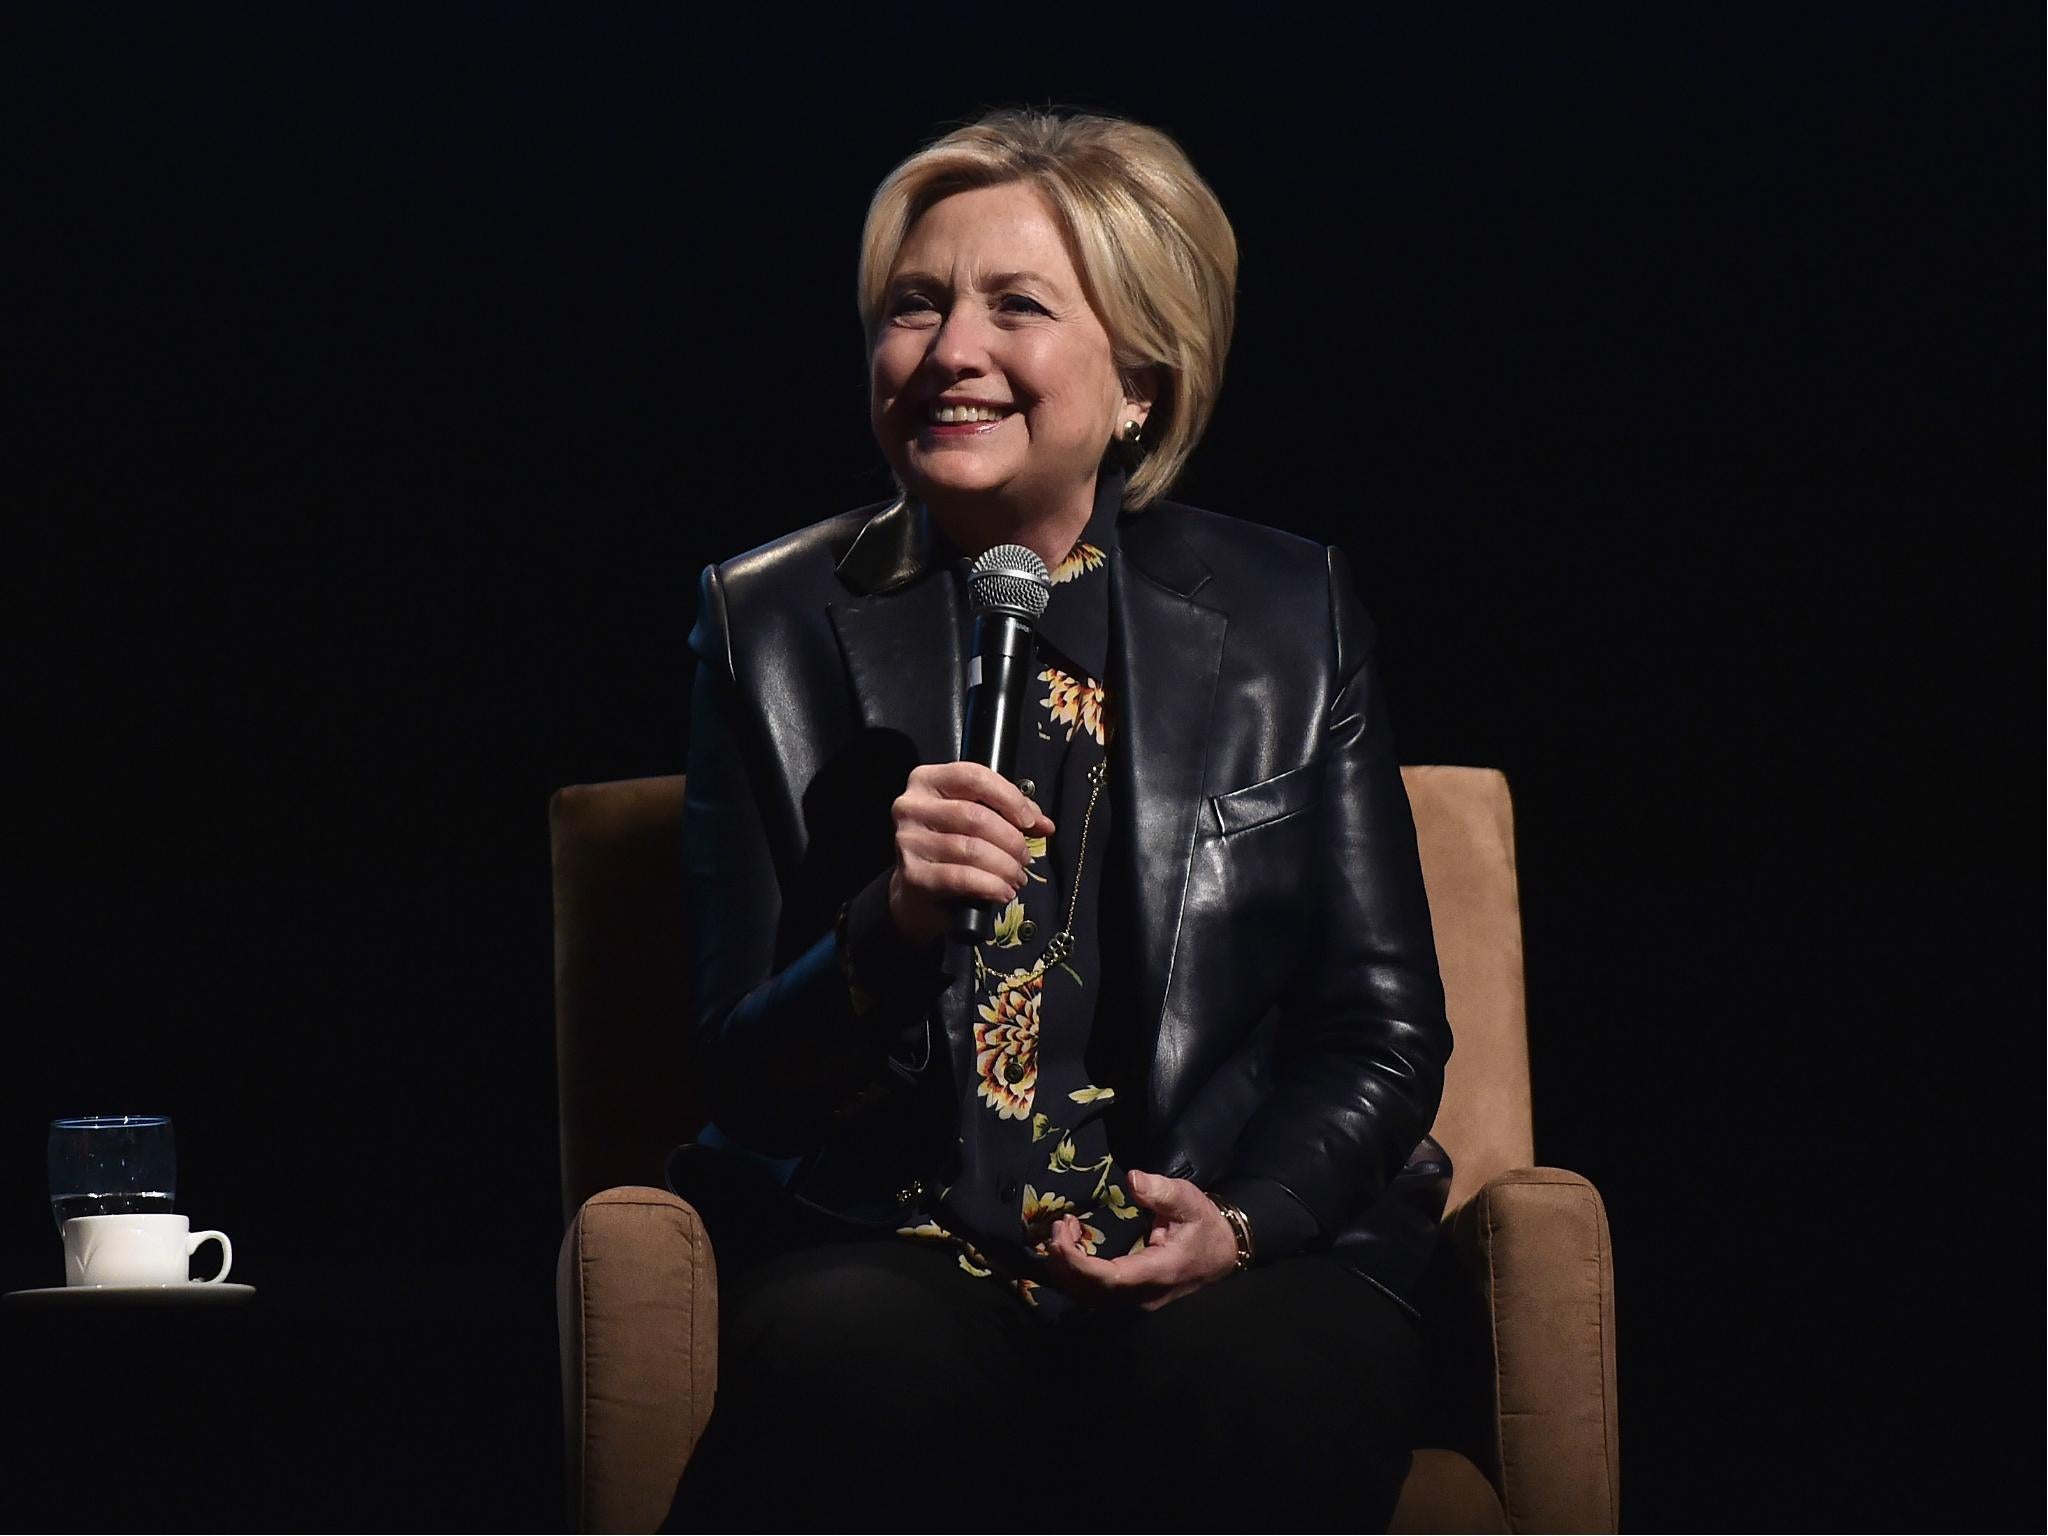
(873, 1385)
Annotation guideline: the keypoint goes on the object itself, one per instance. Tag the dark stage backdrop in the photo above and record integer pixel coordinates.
(379, 382)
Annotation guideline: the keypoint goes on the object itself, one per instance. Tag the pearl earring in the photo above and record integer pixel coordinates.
(1131, 433)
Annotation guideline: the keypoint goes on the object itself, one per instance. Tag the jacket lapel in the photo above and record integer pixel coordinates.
(1167, 653)
(898, 629)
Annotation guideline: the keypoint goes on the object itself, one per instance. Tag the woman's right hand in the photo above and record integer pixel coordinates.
(960, 830)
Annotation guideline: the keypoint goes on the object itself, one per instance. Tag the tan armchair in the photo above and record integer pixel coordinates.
(1520, 1315)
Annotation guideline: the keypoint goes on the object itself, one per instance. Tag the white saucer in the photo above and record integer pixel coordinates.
(190, 1293)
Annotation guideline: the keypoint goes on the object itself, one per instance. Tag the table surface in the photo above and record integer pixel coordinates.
(193, 1293)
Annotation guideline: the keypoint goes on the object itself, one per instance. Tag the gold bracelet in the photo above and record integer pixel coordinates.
(1240, 1227)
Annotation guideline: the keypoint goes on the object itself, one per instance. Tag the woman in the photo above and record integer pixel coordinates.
(1123, 1208)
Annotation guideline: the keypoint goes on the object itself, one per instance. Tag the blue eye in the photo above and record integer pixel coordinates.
(1030, 303)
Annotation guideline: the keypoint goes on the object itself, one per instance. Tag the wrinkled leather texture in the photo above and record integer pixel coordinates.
(1280, 1007)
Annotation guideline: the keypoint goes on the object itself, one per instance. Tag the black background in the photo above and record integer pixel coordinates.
(378, 383)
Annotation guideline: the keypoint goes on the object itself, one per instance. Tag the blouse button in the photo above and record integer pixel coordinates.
(1027, 930)
(1027, 786)
(1013, 1070)
(1007, 1190)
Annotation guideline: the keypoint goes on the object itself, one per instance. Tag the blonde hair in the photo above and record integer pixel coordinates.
(1148, 237)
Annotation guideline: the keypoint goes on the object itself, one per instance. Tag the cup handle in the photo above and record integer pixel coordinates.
(227, 1254)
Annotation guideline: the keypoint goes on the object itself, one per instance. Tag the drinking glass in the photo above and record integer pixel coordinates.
(111, 1165)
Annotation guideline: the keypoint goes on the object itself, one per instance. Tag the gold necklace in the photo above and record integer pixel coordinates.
(1061, 944)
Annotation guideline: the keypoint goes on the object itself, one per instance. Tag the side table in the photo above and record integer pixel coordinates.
(135, 1409)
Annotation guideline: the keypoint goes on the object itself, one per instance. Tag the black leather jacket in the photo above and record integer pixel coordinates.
(1281, 1007)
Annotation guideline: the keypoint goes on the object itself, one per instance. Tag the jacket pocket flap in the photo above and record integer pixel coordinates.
(1268, 800)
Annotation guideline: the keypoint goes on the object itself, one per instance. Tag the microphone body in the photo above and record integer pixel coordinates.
(998, 680)
(1010, 586)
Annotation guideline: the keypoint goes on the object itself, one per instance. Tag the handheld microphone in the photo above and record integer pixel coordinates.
(1009, 587)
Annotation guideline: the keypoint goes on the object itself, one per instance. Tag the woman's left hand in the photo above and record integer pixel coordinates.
(1189, 1246)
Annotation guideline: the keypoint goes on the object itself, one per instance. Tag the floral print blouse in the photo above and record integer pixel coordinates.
(1032, 1141)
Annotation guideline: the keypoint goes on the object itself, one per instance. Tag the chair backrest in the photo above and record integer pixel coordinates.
(622, 994)
(1465, 829)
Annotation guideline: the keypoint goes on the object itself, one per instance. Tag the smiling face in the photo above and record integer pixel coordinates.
(992, 387)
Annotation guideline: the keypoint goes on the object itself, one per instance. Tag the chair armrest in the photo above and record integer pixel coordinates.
(636, 1297)
(1534, 1245)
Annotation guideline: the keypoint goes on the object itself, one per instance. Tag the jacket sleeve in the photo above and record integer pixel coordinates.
(1358, 1066)
(782, 1052)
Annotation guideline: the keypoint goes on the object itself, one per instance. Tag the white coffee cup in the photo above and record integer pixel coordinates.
(145, 1248)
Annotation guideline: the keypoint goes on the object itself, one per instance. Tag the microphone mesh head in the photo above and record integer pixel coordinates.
(1010, 579)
